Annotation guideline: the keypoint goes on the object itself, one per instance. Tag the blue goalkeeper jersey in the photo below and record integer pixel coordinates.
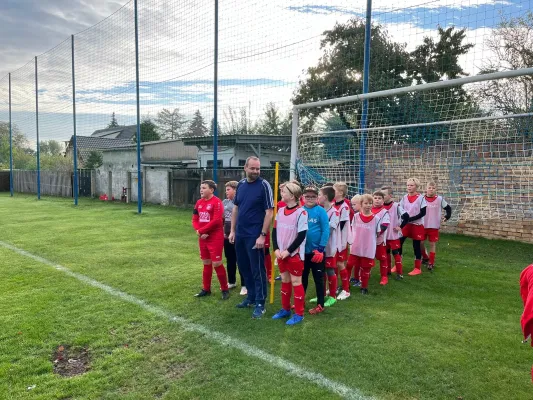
(318, 228)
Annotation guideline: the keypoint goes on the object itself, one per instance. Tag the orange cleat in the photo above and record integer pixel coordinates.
(393, 270)
(384, 280)
(416, 271)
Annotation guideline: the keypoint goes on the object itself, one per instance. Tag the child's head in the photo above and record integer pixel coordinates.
(356, 203)
(431, 189)
(341, 190)
(412, 185)
(310, 196)
(326, 195)
(231, 188)
(366, 203)
(387, 193)
(291, 192)
(329, 184)
(207, 188)
(378, 198)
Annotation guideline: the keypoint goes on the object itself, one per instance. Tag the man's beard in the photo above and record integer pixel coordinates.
(252, 176)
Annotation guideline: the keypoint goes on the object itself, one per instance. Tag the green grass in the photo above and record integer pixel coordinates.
(454, 333)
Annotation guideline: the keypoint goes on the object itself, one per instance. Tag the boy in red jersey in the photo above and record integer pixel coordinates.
(381, 242)
(341, 190)
(434, 206)
(366, 228)
(415, 205)
(398, 219)
(526, 292)
(207, 221)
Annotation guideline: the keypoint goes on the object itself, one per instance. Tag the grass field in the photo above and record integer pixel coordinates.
(453, 334)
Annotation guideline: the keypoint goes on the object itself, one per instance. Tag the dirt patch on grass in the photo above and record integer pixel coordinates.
(176, 370)
(69, 361)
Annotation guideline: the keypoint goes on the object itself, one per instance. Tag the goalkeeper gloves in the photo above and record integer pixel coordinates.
(318, 255)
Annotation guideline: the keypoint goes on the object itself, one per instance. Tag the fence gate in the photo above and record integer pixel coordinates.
(85, 182)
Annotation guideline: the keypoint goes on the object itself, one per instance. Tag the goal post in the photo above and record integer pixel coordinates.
(446, 131)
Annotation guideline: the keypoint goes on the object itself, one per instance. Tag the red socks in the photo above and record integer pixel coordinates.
(286, 291)
(206, 277)
(418, 264)
(425, 254)
(389, 265)
(268, 266)
(345, 280)
(299, 300)
(398, 263)
(357, 272)
(333, 286)
(349, 268)
(383, 269)
(222, 277)
(365, 277)
(432, 258)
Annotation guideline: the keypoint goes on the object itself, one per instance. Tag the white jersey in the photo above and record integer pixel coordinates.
(365, 230)
(287, 229)
(395, 213)
(412, 205)
(434, 206)
(384, 219)
(333, 217)
(342, 234)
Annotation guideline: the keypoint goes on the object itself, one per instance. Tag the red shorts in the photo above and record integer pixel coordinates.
(362, 262)
(293, 265)
(342, 255)
(267, 240)
(381, 252)
(394, 244)
(211, 248)
(432, 234)
(352, 261)
(331, 262)
(415, 232)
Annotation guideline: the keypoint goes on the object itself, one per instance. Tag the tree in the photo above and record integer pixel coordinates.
(170, 123)
(197, 126)
(273, 123)
(236, 122)
(94, 160)
(340, 72)
(113, 123)
(50, 147)
(511, 44)
(212, 128)
(148, 131)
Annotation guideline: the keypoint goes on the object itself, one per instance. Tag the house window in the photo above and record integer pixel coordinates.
(241, 163)
(210, 163)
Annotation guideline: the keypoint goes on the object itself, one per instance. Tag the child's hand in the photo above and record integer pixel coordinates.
(197, 233)
(204, 236)
(284, 254)
(277, 253)
(444, 220)
(398, 229)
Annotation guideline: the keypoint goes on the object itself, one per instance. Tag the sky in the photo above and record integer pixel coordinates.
(264, 50)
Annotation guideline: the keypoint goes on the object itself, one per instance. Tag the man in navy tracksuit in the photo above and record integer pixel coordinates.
(250, 223)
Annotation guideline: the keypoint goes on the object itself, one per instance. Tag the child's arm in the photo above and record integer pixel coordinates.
(195, 218)
(302, 233)
(324, 227)
(447, 208)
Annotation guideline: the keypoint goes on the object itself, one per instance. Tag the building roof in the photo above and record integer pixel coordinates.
(86, 144)
(119, 132)
(233, 140)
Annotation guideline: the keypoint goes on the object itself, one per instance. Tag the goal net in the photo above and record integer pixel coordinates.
(447, 132)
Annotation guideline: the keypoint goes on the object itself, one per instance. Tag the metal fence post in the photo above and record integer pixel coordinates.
(74, 145)
(37, 130)
(139, 174)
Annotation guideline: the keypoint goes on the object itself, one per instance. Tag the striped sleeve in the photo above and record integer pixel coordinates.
(268, 199)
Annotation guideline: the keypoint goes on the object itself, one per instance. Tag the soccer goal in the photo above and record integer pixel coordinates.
(454, 133)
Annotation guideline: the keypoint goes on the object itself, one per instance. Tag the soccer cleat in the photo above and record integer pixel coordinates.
(244, 291)
(353, 280)
(278, 278)
(295, 319)
(232, 286)
(245, 304)
(364, 291)
(399, 277)
(356, 283)
(343, 295)
(416, 271)
(384, 280)
(431, 267)
(330, 301)
(393, 270)
(259, 310)
(314, 300)
(225, 294)
(317, 310)
(203, 293)
(339, 289)
(425, 261)
(281, 314)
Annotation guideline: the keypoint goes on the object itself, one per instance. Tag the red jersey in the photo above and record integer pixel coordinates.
(208, 216)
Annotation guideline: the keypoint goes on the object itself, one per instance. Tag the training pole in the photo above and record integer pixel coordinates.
(273, 266)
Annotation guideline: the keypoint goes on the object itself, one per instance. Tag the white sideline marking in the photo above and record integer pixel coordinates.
(221, 338)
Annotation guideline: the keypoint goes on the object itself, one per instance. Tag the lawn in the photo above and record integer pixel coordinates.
(451, 334)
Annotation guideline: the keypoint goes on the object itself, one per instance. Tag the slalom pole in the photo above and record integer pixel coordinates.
(272, 280)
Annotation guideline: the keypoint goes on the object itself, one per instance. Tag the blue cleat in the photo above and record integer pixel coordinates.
(245, 304)
(259, 310)
(296, 319)
(282, 314)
